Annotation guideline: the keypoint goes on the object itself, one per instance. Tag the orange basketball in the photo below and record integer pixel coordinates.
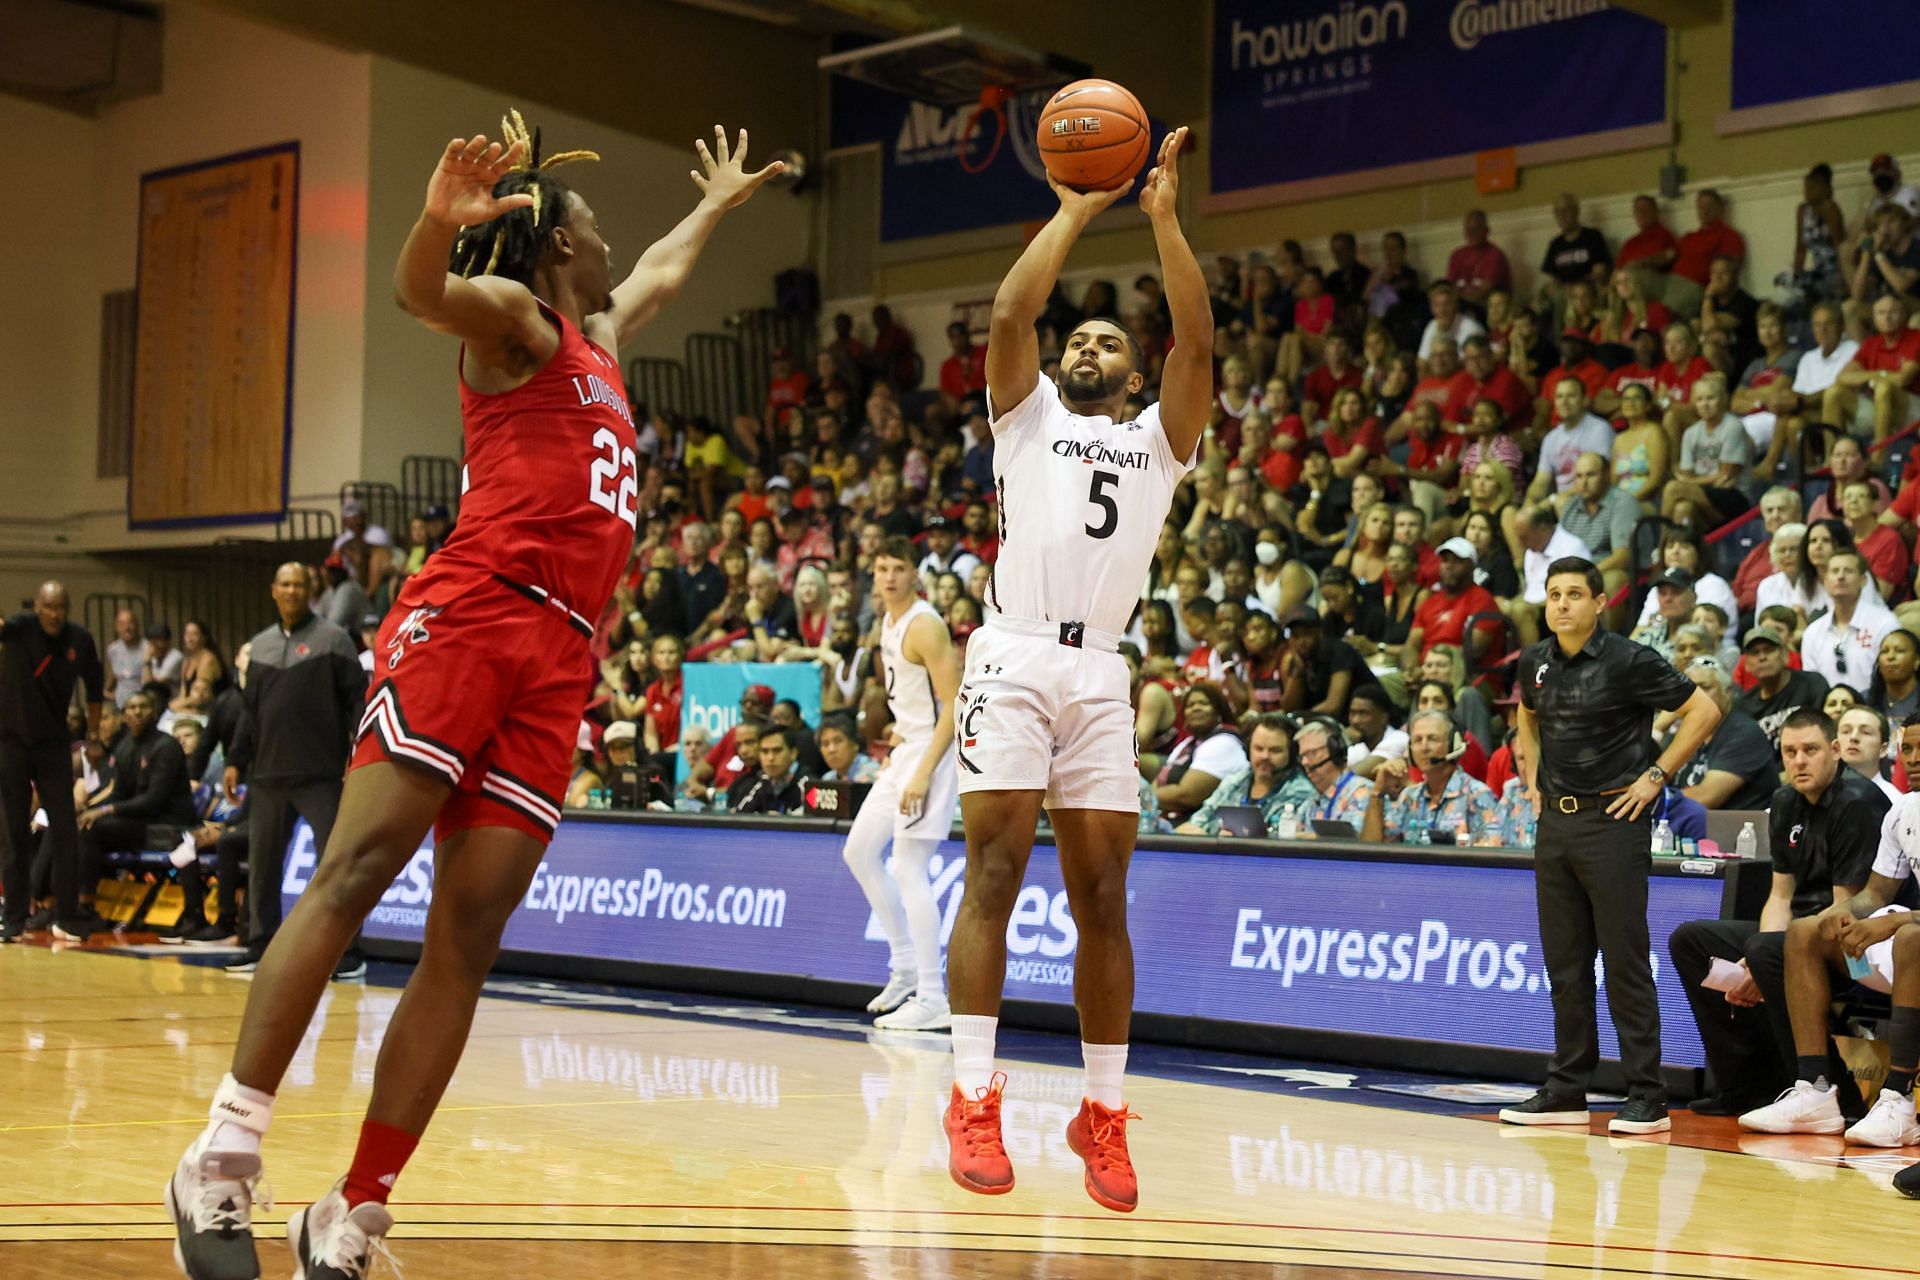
(1094, 136)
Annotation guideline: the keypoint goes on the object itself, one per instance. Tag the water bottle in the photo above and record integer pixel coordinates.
(1748, 845)
(1663, 839)
(1462, 837)
(1287, 827)
(720, 801)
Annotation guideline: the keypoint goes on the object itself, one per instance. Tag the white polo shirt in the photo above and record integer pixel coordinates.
(1817, 372)
(1828, 649)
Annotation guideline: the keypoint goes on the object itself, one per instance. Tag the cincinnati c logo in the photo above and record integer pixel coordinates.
(1540, 676)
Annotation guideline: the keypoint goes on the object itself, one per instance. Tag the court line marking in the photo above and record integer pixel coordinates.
(991, 1214)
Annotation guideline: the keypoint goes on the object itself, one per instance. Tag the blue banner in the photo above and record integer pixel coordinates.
(1406, 949)
(1785, 50)
(710, 695)
(1311, 89)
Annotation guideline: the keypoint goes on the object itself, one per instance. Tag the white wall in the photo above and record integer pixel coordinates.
(1760, 207)
(639, 190)
(229, 85)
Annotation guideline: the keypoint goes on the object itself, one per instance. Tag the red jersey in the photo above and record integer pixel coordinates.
(1631, 375)
(1879, 355)
(1503, 388)
(663, 708)
(547, 493)
(1675, 386)
(1591, 373)
(962, 376)
(1656, 239)
(1321, 385)
(1442, 619)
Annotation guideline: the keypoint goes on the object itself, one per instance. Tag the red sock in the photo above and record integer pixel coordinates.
(377, 1162)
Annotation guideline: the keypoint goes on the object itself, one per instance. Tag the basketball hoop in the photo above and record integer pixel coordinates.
(993, 99)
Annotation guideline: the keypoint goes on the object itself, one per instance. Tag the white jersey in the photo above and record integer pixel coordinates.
(910, 695)
(1899, 839)
(1081, 504)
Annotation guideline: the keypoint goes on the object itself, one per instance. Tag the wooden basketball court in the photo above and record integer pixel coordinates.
(603, 1142)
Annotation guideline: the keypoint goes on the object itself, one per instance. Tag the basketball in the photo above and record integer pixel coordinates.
(1093, 136)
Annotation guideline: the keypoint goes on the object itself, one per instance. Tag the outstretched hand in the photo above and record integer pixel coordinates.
(1163, 180)
(460, 193)
(1086, 203)
(726, 183)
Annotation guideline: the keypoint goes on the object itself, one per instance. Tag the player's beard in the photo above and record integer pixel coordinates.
(1084, 384)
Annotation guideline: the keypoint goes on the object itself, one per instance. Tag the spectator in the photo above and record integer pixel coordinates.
(1888, 261)
(1629, 308)
(1817, 373)
(1641, 452)
(893, 360)
(1824, 828)
(1494, 568)
(1684, 548)
(1601, 516)
(804, 539)
(1820, 229)
(164, 662)
(1576, 252)
(354, 527)
(1874, 392)
(1208, 751)
(1779, 507)
(1642, 370)
(1442, 616)
(1765, 396)
(771, 617)
(621, 743)
(1576, 433)
(786, 715)
(1544, 541)
(126, 657)
(1337, 374)
(664, 697)
(1313, 316)
(1394, 296)
(1842, 644)
(150, 788)
(840, 748)
(1351, 439)
(223, 722)
(778, 785)
(1651, 248)
(1778, 690)
(1372, 738)
(1270, 781)
(1880, 544)
(1734, 769)
(1489, 441)
(1340, 795)
(1478, 267)
(1672, 595)
(1487, 379)
(1673, 380)
(1715, 453)
(964, 372)
(1895, 690)
(1440, 695)
(1840, 699)
(200, 657)
(1727, 316)
(728, 758)
(1347, 281)
(944, 552)
(1446, 800)
(1449, 323)
(1317, 674)
(343, 603)
(1693, 263)
(1576, 361)
(1442, 381)
(1863, 733)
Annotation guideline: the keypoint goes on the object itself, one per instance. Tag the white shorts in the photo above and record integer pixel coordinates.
(1879, 958)
(1760, 427)
(1037, 715)
(943, 795)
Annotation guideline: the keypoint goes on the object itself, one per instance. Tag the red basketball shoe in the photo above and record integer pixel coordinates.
(1099, 1137)
(976, 1157)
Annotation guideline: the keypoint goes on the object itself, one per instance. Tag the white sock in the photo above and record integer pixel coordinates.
(973, 1053)
(238, 1117)
(1106, 1067)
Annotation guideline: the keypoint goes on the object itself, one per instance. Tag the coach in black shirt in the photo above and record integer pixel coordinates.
(150, 803)
(1824, 829)
(42, 657)
(779, 785)
(1585, 745)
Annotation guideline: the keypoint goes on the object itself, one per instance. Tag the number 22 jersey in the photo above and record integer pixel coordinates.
(549, 482)
(1082, 500)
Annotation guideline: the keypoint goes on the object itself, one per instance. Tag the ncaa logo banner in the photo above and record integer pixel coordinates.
(710, 696)
(1318, 96)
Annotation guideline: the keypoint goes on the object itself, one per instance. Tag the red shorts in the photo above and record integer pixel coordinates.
(483, 687)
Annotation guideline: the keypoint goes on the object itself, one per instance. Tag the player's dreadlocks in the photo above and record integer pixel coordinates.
(510, 245)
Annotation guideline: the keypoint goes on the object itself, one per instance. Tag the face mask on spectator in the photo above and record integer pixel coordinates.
(1267, 553)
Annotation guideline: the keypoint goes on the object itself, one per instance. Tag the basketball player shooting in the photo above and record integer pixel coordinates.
(481, 671)
(1044, 715)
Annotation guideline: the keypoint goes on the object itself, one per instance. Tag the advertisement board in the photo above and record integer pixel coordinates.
(1421, 951)
(1324, 89)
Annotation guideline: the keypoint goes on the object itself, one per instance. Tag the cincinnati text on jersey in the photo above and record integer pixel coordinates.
(1094, 451)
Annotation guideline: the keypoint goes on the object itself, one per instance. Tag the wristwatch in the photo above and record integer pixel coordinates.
(1658, 774)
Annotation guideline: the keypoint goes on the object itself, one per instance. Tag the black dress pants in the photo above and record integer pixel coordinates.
(271, 811)
(1745, 1053)
(47, 766)
(1590, 883)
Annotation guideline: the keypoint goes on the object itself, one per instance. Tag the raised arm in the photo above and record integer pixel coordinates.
(491, 315)
(1186, 382)
(1013, 348)
(663, 269)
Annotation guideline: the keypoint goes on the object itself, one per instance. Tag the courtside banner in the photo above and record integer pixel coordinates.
(1312, 97)
(710, 695)
(1418, 951)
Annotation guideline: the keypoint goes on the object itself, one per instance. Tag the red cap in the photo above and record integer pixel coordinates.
(333, 562)
(760, 693)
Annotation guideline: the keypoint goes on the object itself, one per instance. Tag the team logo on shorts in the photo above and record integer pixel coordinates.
(412, 630)
(969, 734)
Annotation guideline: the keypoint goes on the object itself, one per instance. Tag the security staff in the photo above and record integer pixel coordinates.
(1585, 748)
(42, 655)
